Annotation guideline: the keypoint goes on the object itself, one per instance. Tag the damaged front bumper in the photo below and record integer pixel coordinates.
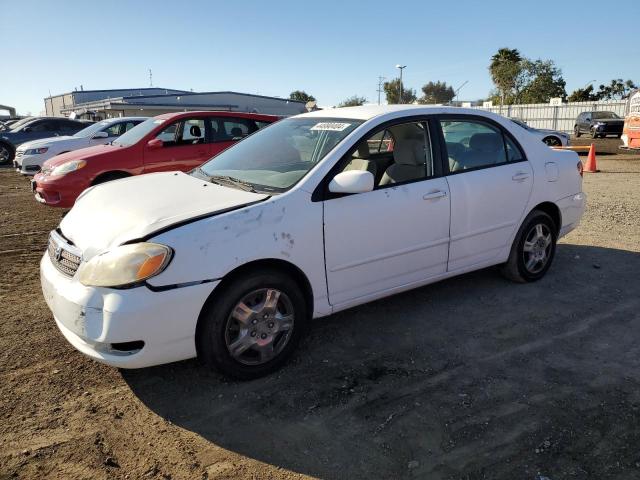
(125, 328)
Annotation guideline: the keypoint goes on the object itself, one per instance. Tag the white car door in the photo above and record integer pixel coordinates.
(490, 182)
(395, 235)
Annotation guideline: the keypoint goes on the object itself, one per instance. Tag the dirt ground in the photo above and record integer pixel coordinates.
(471, 378)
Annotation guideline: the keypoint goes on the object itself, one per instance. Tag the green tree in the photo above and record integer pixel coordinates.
(505, 68)
(301, 96)
(392, 92)
(582, 95)
(436, 92)
(542, 81)
(616, 90)
(354, 101)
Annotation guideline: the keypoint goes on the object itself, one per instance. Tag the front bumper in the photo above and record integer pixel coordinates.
(56, 191)
(93, 319)
(29, 164)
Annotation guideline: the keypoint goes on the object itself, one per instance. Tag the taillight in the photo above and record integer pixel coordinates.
(580, 167)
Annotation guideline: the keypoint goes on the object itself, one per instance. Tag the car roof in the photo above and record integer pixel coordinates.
(214, 113)
(367, 112)
(122, 119)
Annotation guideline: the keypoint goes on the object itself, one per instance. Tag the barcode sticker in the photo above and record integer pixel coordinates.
(331, 126)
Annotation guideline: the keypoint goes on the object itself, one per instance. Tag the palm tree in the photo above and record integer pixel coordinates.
(504, 68)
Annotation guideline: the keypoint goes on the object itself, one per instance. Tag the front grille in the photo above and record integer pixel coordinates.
(65, 261)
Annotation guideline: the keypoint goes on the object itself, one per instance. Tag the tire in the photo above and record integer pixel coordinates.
(552, 141)
(576, 131)
(6, 153)
(522, 265)
(107, 177)
(241, 319)
(593, 133)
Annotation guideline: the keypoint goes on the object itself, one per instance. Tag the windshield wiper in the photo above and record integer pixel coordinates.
(227, 180)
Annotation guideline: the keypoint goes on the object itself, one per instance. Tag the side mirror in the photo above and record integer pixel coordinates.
(155, 143)
(101, 135)
(352, 181)
(27, 129)
(588, 119)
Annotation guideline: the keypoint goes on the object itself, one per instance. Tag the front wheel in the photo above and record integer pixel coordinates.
(576, 131)
(552, 141)
(251, 326)
(593, 133)
(533, 249)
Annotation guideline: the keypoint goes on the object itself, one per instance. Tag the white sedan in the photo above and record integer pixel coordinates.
(309, 216)
(553, 138)
(31, 155)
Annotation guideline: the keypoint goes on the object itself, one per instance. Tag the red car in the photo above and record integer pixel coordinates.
(173, 141)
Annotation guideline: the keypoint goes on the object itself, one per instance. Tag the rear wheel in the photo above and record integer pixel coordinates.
(252, 326)
(6, 153)
(533, 249)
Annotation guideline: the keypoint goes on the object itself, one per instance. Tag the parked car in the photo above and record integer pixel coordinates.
(31, 155)
(174, 141)
(598, 124)
(34, 129)
(5, 124)
(302, 219)
(553, 138)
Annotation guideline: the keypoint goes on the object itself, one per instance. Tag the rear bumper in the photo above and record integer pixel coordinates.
(571, 211)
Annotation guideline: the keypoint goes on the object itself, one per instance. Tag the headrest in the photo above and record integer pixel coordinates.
(454, 149)
(409, 152)
(195, 131)
(236, 132)
(486, 142)
(362, 151)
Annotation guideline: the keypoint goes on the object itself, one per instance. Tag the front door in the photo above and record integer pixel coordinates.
(490, 182)
(184, 147)
(395, 235)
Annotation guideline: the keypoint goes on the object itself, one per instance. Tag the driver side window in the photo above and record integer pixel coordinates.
(397, 154)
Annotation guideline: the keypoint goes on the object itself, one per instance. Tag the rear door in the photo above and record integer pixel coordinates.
(184, 147)
(490, 182)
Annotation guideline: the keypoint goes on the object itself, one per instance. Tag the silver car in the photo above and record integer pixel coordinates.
(553, 138)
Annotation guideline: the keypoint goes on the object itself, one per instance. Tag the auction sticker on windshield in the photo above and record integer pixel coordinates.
(331, 126)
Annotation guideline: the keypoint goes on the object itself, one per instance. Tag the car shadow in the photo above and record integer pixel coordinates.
(471, 377)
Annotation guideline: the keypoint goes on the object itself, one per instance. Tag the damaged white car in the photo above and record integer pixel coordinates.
(311, 215)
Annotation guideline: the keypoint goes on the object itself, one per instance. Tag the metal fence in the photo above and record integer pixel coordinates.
(557, 117)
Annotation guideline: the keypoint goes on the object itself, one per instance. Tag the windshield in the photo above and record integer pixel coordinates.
(20, 123)
(134, 135)
(278, 156)
(89, 131)
(605, 115)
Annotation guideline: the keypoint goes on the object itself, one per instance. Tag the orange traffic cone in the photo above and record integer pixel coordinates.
(590, 166)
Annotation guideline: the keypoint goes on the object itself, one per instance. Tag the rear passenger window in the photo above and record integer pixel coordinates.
(472, 144)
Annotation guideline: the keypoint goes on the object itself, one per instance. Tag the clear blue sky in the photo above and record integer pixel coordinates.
(331, 49)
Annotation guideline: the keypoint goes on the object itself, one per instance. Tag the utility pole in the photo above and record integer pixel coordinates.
(381, 80)
(400, 67)
(150, 78)
(458, 89)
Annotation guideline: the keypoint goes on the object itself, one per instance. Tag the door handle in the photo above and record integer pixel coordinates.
(434, 195)
(520, 177)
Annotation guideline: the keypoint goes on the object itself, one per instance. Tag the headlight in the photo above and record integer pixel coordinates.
(68, 167)
(125, 265)
(36, 151)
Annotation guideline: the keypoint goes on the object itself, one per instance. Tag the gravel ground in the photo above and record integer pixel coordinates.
(470, 378)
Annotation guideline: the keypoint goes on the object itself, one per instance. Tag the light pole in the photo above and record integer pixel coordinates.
(400, 67)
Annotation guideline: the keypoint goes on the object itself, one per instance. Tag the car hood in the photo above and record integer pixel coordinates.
(47, 141)
(82, 154)
(115, 212)
(555, 132)
(608, 120)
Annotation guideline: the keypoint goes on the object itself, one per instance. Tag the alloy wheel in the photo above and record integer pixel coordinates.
(5, 154)
(259, 326)
(537, 248)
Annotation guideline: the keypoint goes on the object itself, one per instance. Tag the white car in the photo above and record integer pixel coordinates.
(309, 216)
(553, 138)
(31, 155)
